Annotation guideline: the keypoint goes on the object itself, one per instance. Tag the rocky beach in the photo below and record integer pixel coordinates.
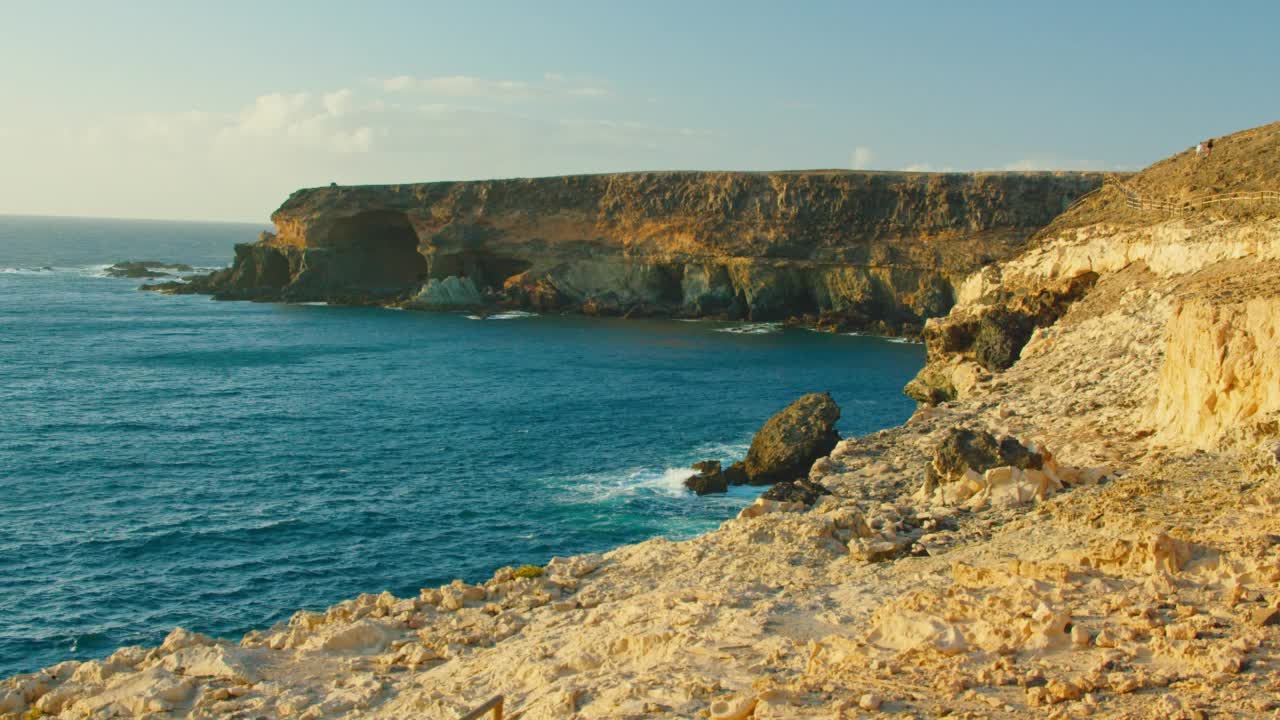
(1082, 517)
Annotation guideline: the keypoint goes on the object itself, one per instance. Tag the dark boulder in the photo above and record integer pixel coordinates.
(803, 491)
(709, 478)
(791, 440)
(736, 474)
(1001, 335)
(963, 449)
(1018, 455)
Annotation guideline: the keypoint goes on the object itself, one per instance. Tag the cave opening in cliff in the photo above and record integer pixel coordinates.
(379, 251)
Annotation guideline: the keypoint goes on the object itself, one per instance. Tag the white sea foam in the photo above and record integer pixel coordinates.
(316, 303)
(504, 315)
(511, 315)
(753, 329)
(904, 341)
(724, 451)
(605, 486)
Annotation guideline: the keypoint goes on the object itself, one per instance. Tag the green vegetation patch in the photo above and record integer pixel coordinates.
(529, 571)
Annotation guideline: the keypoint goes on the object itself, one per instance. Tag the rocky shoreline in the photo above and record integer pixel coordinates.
(1081, 519)
(830, 250)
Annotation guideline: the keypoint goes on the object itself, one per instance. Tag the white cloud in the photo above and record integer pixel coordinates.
(272, 113)
(926, 167)
(588, 92)
(237, 162)
(552, 85)
(398, 83)
(462, 86)
(1051, 162)
(322, 122)
(337, 103)
(861, 158)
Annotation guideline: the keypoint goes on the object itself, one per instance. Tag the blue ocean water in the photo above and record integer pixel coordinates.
(176, 461)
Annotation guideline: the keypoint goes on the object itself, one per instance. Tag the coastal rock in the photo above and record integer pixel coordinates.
(1000, 337)
(802, 491)
(145, 269)
(877, 252)
(989, 334)
(792, 439)
(710, 479)
(451, 292)
(963, 449)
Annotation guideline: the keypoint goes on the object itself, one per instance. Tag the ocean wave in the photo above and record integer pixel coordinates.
(724, 450)
(606, 486)
(504, 315)
(99, 270)
(898, 340)
(315, 303)
(753, 329)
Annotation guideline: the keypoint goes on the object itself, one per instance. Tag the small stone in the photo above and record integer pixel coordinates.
(870, 701)
(1264, 617)
(1079, 637)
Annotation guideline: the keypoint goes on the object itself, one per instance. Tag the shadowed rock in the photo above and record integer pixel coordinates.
(790, 441)
(709, 479)
(964, 449)
(802, 491)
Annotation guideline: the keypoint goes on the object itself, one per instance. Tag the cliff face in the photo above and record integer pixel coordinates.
(875, 250)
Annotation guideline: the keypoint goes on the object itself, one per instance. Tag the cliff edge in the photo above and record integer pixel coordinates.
(844, 250)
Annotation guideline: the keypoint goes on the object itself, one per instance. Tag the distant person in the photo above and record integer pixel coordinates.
(1199, 149)
(1208, 147)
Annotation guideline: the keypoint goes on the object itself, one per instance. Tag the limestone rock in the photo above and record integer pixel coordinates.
(792, 439)
(877, 252)
(449, 292)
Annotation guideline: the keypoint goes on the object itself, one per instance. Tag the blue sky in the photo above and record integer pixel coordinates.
(219, 110)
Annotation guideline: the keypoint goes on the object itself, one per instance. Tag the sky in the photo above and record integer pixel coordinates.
(217, 111)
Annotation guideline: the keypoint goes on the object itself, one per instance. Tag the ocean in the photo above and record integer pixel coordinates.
(170, 460)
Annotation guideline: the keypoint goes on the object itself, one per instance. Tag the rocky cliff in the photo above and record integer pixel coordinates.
(845, 249)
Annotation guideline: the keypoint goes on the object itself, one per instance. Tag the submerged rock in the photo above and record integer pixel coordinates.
(791, 440)
(710, 479)
(145, 269)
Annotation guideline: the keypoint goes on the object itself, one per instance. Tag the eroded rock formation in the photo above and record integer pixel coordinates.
(840, 250)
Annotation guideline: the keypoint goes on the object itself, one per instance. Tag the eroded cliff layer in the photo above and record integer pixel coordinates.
(849, 249)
